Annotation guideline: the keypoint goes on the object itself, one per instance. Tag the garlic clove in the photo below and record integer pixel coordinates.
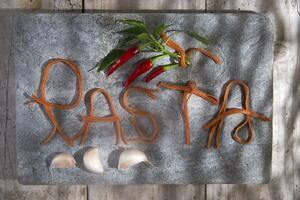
(63, 160)
(131, 157)
(92, 162)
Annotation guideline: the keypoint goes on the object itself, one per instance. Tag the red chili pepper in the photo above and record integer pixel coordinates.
(142, 68)
(155, 73)
(130, 53)
(159, 70)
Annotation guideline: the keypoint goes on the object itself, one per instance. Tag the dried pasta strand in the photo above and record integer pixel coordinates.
(140, 113)
(174, 45)
(174, 87)
(91, 118)
(205, 52)
(189, 89)
(49, 106)
(216, 124)
(186, 117)
(137, 127)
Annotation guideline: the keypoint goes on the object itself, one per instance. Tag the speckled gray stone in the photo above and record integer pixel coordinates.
(245, 43)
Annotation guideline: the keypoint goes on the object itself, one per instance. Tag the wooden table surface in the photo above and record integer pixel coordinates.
(285, 182)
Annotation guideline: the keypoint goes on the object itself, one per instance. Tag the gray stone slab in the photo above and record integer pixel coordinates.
(245, 43)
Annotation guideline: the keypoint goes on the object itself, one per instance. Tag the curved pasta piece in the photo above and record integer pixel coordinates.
(205, 52)
(49, 106)
(174, 45)
(135, 112)
(216, 124)
(91, 118)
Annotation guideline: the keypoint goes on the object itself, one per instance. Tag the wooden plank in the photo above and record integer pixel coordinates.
(7, 103)
(41, 4)
(285, 159)
(10, 189)
(143, 4)
(61, 4)
(19, 4)
(145, 191)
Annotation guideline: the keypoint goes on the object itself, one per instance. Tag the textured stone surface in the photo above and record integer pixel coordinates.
(244, 41)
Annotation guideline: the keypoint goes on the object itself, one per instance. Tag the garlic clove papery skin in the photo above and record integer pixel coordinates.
(92, 161)
(131, 157)
(63, 160)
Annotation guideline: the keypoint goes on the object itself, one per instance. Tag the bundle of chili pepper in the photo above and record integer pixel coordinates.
(148, 64)
(137, 38)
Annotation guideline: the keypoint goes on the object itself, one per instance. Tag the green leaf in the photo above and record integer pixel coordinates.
(129, 41)
(198, 37)
(134, 22)
(194, 35)
(110, 58)
(132, 30)
(144, 37)
(159, 29)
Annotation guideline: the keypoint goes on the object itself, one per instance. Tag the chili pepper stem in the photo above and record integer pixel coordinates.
(142, 47)
(170, 66)
(174, 55)
(158, 58)
(165, 51)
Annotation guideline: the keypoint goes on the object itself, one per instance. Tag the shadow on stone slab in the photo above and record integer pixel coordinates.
(79, 157)
(113, 158)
